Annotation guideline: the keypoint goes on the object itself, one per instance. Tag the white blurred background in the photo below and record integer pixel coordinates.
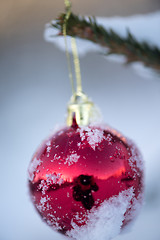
(34, 91)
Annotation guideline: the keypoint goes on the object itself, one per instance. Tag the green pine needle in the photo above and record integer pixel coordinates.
(128, 46)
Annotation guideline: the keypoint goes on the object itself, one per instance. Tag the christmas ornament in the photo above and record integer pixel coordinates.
(86, 180)
(80, 170)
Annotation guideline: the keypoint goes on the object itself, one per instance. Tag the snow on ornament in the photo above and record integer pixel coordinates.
(86, 181)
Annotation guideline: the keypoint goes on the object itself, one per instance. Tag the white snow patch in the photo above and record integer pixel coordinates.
(53, 221)
(48, 149)
(51, 179)
(44, 204)
(51, 35)
(136, 207)
(105, 222)
(135, 156)
(56, 157)
(43, 186)
(116, 58)
(33, 167)
(143, 71)
(48, 143)
(71, 159)
(93, 136)
(109, 139)
(54, 178)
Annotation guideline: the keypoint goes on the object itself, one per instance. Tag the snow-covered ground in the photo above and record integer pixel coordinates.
(34, 92)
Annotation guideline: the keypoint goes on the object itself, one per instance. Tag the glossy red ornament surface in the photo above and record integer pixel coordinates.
(77, 169)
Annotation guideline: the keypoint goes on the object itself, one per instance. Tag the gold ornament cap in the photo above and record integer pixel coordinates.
(82, 108)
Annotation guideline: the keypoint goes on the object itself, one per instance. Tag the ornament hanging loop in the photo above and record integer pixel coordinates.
(74, 52)
(68, 13)
(76, 64)
(79, 106)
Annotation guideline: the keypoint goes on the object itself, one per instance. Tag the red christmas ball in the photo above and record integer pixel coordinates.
(87, 179)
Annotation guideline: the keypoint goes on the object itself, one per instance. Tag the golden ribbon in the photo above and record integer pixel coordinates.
(74, 52)
(80, 106)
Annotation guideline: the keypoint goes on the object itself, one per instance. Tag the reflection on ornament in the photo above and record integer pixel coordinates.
(81, 170)
(82, 190)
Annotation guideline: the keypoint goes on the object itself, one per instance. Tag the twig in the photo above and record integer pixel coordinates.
(131, 48)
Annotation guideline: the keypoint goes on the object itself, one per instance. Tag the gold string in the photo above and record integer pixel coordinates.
(76, 64)
(74, 52)
(68, 13)
(79, 106)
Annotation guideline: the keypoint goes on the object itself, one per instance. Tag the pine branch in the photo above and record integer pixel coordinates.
(132, 49)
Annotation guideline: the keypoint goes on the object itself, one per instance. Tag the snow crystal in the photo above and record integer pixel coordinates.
(48, 149)
(54, 178)
(44, 204)
(93, 136)
(105, 222)
(48, 143)
(43, 186)
(109, 139)
(32, 168)
(71, 159)
(136, 208)
(51, 179)
(135, 156)
(53, 221)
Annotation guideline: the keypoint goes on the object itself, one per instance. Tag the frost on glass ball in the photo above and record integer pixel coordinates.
(87, 182)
